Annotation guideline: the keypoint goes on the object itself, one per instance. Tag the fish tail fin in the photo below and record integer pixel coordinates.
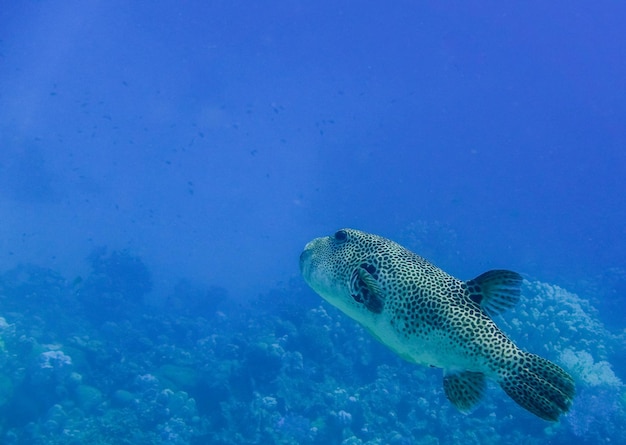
(538, 385)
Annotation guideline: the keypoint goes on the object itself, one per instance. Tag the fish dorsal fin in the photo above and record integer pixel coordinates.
(366, 289)
(464, 389)
(495, 291)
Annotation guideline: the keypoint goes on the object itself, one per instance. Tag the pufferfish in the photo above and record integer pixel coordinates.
(429, 317)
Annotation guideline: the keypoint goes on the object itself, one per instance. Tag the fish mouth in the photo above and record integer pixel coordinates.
(305, 261)
(310, 261)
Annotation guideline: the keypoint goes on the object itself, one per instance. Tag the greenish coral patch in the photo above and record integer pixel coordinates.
(88, 397)
(179, 377)
(6, 389)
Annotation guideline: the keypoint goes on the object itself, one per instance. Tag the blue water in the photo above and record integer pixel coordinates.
(163, 164)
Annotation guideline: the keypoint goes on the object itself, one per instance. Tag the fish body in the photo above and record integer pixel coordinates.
(431, 318)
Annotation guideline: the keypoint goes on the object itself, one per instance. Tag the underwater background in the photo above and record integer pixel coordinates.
(162, 165)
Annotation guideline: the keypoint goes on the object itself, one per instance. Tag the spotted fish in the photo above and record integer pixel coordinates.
(431, 318)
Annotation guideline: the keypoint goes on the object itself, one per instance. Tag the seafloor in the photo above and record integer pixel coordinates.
(91, 361)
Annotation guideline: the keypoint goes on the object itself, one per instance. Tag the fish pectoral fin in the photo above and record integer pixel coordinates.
(367, 290)
(370, 282)
(495, 291)
(464, 389)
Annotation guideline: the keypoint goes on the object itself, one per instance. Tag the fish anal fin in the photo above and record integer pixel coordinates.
(464, 389)
(495, 291)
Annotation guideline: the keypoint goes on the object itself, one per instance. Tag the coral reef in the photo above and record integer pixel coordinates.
(281, 368)
(115, 288)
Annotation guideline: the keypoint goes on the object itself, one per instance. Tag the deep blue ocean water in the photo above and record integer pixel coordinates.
(162, 165)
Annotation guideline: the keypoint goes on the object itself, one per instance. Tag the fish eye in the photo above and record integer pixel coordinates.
(341, 235)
